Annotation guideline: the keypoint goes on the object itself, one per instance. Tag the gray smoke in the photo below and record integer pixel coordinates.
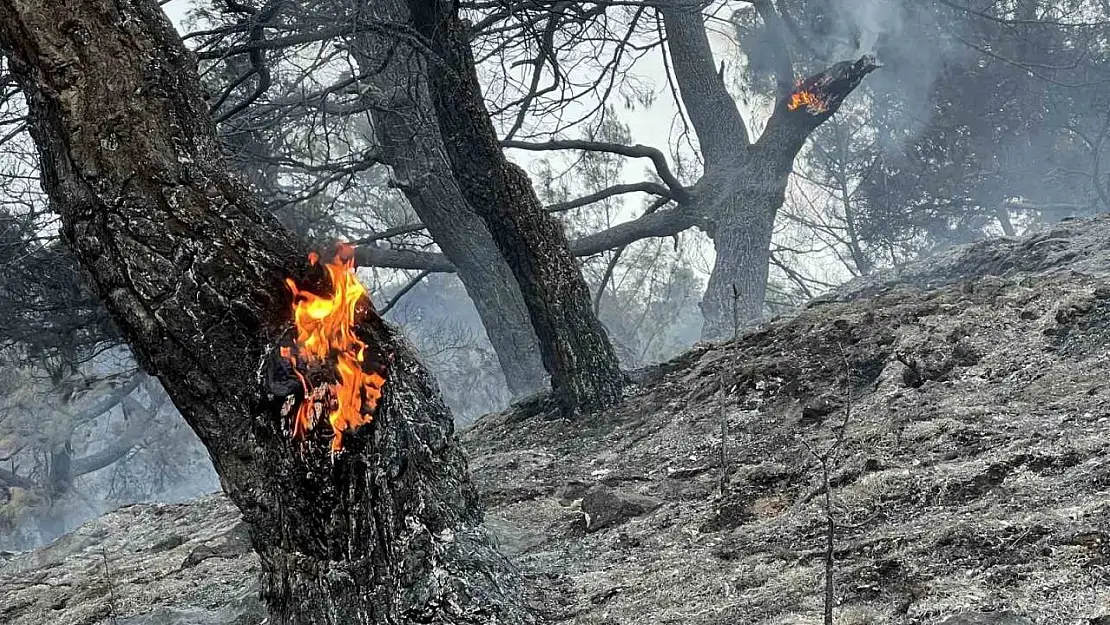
(910, 42)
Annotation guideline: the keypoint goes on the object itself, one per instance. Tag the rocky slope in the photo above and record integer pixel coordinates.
(965, 401)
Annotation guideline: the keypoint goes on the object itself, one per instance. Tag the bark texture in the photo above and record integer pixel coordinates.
(192, 272)
(412, 146)
(585, 374)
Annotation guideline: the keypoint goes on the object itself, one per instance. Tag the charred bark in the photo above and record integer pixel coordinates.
(412, 146)
(192, 272)
(585, 374)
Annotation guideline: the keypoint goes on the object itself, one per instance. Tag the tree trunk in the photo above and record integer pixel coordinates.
(744, 201)
(738, 284)
(744, 183)
(412, 146)
(192, 272)
(585, 374)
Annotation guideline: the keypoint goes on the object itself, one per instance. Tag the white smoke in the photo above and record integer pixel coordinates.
(909, 41)
(861, 23)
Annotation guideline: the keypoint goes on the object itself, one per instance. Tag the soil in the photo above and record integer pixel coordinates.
(962, 405)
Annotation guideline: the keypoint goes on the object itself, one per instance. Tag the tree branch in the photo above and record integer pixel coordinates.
(374, 256)
(10, 479)
(679, 192)
(404, 290)
(644, 187)
(791, 124)
(720, 128)
(659, 224)
(123, 445)
(618, 189)
(109, 401)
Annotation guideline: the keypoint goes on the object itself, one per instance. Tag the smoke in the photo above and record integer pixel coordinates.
(913, 42)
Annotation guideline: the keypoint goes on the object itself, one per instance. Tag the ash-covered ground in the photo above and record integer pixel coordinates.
(973, 475)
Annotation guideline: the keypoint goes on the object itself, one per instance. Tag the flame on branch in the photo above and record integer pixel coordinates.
(340, 374)
(813, 102)
(822, 94)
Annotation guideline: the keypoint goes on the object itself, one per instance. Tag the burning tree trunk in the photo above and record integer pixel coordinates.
(744, 196)
(585, 374)
(194, 274)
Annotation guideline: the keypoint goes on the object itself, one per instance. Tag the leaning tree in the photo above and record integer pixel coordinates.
(585, 373)
(200, 281)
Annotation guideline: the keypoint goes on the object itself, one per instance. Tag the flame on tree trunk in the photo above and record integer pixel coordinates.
(326, 336)
(193, 272)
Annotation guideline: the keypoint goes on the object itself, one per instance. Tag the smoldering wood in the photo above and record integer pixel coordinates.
(284, 377)
(737, 202)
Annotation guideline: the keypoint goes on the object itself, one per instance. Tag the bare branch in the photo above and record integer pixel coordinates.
(680, 192)
(661, 224)
(259, 67)
(618, 189)
(404, 290)
(140, 418)
(111, 400)
(10, 479)
(374, 256)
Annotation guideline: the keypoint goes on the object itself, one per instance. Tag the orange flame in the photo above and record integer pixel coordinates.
(325, 335)
(814, 104)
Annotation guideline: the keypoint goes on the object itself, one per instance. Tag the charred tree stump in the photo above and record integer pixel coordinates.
(193, 271)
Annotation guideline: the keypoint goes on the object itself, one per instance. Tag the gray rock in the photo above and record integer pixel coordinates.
(605, 507)
(986, 618)
(511, 539)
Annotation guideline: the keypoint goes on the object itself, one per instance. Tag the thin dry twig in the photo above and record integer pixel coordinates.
(827, 459)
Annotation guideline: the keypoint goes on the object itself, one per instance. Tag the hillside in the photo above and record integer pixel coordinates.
(973, 475)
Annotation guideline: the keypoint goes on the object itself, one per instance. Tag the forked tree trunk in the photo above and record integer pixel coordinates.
(745, 198)
(411, 144)
(585, 374)
(192, 271)
(744, 182)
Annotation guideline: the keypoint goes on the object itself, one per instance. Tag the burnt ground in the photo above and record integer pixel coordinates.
(973, 474)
